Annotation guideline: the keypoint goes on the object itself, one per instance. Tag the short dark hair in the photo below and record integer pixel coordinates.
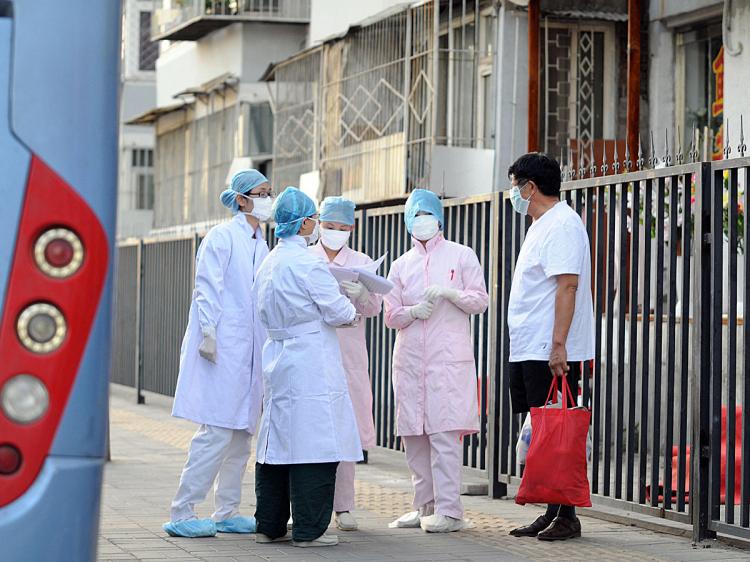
(540, 168)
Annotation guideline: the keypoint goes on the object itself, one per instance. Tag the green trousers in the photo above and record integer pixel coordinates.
(308, 487)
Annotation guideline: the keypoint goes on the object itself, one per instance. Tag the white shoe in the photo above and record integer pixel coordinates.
(441, 524)
(265, 539)
(345, 521)
(289, 524)
(322, 540)
(411, 520)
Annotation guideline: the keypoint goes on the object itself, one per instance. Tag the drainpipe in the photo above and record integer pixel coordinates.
(533, 122)
(634, 74)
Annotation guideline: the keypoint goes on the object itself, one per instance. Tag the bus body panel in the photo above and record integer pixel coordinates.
(14, 163)
(57, 518)
(72, 126)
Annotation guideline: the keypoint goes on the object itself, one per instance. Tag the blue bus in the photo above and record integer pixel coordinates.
(59, 76)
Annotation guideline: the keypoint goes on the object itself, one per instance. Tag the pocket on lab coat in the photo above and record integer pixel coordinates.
(459, 348)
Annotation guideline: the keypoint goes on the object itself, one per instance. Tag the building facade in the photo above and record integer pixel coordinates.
(138, 94)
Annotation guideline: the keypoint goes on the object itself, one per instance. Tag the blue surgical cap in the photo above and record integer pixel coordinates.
(337, 209)
(422, 200)
(243, 182)
(289, 210)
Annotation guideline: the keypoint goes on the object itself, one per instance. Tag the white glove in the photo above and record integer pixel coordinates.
(422, 311)
(434, 292)
(356, 291)
(207, 348)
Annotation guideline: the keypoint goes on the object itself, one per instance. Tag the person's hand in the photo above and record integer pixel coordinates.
(434, 292)
(207, 348)
(422, 311)
(558, 361)
(356, 291)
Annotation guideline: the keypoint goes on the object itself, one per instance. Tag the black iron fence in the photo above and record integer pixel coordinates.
(668, 387)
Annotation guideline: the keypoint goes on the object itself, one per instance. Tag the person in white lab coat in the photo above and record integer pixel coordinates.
(219, 384)
(308, 423)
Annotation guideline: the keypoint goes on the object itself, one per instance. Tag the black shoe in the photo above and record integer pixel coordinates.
(541, 523)
(561, 529)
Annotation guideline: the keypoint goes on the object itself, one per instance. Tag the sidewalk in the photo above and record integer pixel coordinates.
(148, 450)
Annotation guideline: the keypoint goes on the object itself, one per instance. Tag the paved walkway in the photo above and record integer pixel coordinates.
(148, 450)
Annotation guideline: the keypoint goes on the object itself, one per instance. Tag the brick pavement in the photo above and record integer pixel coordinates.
(148, 450)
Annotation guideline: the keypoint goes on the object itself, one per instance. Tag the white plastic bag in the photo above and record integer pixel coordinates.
(524, 437)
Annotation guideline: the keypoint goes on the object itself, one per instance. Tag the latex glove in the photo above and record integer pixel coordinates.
(422, 311)
(354, 323)
(434, 292)
(207, 348)
(356, 291)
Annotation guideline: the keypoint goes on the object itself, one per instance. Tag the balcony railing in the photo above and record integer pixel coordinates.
(189, 20)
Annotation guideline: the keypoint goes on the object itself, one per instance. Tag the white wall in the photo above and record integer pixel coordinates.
(131, 40)
(242, 49)
(331, 17)
(187, 64)
(737, 76)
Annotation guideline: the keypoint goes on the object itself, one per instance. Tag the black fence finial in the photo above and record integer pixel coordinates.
(639, 160)
(667, 159)
(628, 162)
(652, 159)
(592, 168)
(571, 168)
(616, 163)
(605, 165)
(742, 147)
(679, 157)
(727, 146)
(693, 154)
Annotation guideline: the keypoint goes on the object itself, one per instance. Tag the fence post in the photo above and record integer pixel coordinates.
(496, 488)
(139, 326)
(701, 373)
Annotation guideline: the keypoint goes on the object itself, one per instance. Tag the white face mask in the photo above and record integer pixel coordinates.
(425, 227)
(519, 204)
(315, 234)
(334, 239)
(261, 207)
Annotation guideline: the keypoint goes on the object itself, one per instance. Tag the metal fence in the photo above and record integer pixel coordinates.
(670, 282)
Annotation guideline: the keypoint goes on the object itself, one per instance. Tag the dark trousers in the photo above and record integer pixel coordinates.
(309, 488)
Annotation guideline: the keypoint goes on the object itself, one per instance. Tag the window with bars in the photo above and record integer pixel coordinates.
(148, 51)
(142, 161)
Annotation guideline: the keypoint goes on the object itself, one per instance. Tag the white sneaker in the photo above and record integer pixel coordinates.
(441, 524)
(345, 521)
(289, 524)
(322, 540)
(265, 539)
(411, 520)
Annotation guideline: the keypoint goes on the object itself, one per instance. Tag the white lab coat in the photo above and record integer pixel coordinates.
(307, 413)
(227, 393)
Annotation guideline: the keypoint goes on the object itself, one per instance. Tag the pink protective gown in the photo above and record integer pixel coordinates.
(356, 365)
(434, 373)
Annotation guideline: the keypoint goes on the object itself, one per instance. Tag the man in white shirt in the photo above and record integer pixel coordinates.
(550, 313)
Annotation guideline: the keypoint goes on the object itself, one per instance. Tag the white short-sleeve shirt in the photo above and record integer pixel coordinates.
(555, 244)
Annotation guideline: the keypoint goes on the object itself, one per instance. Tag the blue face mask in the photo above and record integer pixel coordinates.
(519, 204)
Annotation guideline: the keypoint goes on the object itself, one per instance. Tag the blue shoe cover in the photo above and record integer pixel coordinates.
(191, 528)
(237, 524)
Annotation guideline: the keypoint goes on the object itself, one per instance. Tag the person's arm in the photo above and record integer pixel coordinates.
(473, 299)
(562, 258)
(565, 305)
(324, 292)
(211, 265)
(397, 316)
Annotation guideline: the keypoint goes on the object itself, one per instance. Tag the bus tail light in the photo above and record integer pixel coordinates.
(56, 279)
(58, 252)
(41, 328)
(24, 399)
(10, 459)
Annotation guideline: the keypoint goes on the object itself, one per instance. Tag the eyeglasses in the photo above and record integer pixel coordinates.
(259, 195)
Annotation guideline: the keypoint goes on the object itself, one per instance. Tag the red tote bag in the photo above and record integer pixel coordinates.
(556, 470)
